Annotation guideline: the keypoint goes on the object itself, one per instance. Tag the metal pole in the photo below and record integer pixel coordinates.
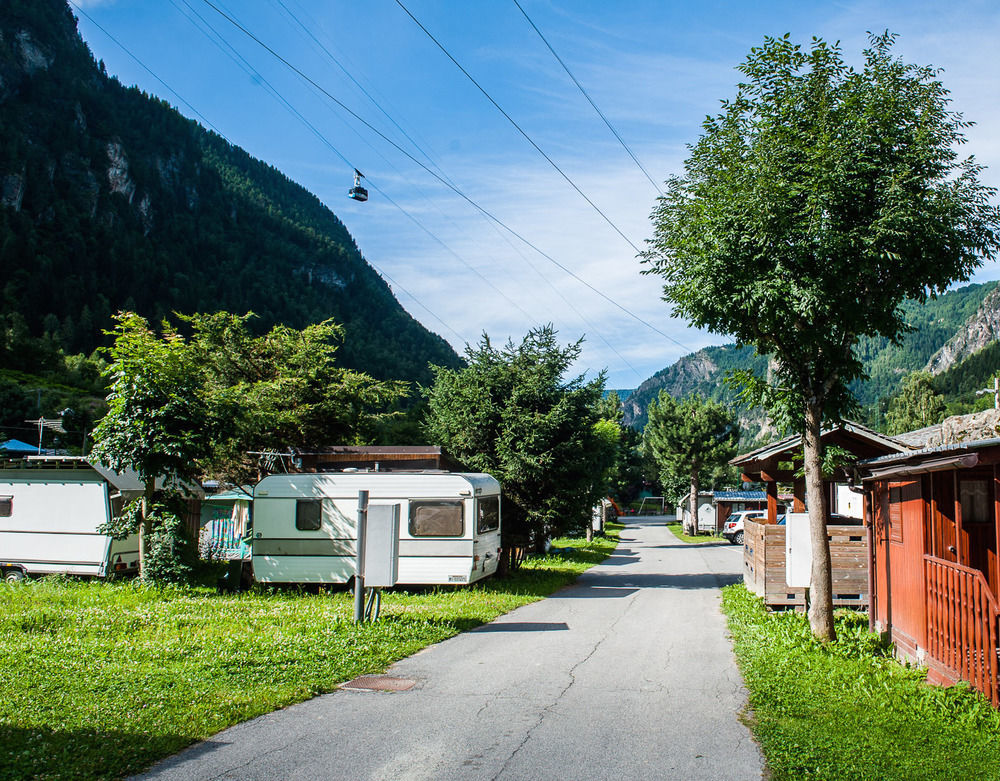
(359, 574)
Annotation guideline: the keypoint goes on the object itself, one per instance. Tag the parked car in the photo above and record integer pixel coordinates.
(733, 528)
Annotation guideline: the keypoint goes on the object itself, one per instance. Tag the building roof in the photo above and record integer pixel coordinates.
(740, 496)
(794, 442)
(917, 455)
(17, 446)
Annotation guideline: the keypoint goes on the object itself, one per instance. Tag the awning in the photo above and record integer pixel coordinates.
(923, 467)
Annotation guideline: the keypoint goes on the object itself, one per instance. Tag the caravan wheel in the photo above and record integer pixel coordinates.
(13, 575)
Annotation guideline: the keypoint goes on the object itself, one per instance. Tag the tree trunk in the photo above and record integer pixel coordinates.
(693, 506)
(145, 527)
(821, 587)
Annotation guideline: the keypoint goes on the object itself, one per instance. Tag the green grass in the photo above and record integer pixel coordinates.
(847, 710)
(99, 680)
(678, 530)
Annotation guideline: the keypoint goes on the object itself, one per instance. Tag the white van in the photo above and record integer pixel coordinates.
(50, 510)
(305, 525)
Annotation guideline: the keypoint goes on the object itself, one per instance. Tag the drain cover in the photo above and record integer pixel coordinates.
(379, 683)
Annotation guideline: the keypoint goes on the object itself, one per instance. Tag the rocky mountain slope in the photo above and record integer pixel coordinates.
(944, 332)
(979, 331)
(110, 199)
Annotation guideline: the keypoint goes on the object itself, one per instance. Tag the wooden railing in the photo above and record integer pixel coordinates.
(962, 623)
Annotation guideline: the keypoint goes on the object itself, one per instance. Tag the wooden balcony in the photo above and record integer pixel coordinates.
(962, 626)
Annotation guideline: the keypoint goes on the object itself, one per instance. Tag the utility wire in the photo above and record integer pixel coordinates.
(443, 181)
(145, 68)
(589, 99)
(324, 140)
(326, 50)
(520, 129)
(289, 107)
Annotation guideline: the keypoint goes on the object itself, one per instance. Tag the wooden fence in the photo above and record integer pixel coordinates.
(764, 566)
(962, 623)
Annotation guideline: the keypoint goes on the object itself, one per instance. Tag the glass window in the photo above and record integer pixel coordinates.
(6, 506)
(896, 513)
(489, 514)
(974, 496)
(439, 518)
(308, 514)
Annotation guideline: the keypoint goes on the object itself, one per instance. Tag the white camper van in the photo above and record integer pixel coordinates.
(50, 510)
(305, 525)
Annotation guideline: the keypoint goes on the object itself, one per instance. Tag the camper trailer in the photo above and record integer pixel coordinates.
(50, 510)
(305, 525)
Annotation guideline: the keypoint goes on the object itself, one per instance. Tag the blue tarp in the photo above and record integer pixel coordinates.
(16, 446)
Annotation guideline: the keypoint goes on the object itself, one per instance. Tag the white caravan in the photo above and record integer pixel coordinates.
(50, 510)
(305, 525)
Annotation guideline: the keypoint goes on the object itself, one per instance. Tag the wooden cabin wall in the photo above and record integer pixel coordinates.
(906, 562)
(879, 507)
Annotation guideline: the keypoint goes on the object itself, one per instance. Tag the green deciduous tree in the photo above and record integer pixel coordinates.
(813, 204)
(689, 441)
(183, 407)
(513, 414)
(282, 389)
(159, 421)
(917, 405)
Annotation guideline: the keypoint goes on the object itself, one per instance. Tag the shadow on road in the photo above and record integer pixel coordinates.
(596, 582)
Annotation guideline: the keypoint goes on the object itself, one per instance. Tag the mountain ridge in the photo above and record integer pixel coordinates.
(110, 199)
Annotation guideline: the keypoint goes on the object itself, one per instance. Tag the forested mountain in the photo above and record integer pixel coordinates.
(110, 199)
(933, 323)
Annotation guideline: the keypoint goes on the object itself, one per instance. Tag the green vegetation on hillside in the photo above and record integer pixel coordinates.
(112, 200)
(102, 679)
(933, 323)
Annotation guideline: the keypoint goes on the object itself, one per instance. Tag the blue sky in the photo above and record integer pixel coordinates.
(655, 69)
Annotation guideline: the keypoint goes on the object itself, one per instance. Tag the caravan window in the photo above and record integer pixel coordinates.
(489, 514)
(439, 518)
(6, 506)
(308, 514)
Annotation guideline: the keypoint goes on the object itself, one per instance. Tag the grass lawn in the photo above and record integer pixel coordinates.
(99, 680)
(847, 710)
(678, 530)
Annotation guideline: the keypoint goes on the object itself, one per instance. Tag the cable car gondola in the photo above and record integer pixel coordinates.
(358, 192)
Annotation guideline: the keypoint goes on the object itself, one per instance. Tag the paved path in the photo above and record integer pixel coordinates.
(626, 675)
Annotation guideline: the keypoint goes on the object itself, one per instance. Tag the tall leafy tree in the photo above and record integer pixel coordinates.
(183, 407)
(916, 405)
(282, 389)
(511, 412)
(814, 203)
(689, 441)
(159, 420)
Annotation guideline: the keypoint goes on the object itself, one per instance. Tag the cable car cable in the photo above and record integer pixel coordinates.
(443, 181)
(589, 99)
(223, 136)
(324, 140)
(519, 129)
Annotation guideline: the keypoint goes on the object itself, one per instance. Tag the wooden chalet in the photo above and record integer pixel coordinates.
(764, 543)
(935, 521)
(779, 462)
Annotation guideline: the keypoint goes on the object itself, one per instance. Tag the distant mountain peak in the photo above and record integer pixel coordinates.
(980, 330)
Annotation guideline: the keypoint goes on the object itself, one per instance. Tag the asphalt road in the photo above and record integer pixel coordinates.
(628, 674)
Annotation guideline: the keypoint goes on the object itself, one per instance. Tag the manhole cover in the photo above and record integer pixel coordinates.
(379, 683)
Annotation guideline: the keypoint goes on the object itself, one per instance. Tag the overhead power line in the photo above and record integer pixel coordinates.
(520, 130)
(441, 179)
(590, 100)
(307, 29)
(222, 135)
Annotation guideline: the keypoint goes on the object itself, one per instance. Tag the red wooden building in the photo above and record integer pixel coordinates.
(934, 516)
